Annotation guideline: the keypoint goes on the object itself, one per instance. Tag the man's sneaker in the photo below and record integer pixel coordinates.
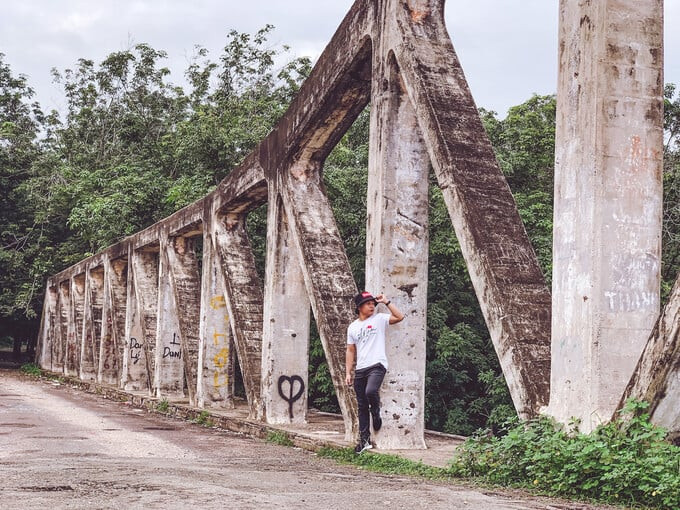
(364, 444)
(377, 421)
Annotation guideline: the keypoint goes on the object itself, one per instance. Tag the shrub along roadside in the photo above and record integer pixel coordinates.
(626, 461)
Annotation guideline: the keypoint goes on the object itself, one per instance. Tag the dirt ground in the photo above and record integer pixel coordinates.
(63, 448)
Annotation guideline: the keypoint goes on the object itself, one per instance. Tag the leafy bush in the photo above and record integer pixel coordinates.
(626, 461)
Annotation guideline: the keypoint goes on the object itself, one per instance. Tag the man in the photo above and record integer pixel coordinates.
(366, 343)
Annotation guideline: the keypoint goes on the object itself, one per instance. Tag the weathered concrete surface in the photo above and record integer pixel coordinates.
(244, 298)
(140, 321)
(169, 368)
(327, 275)
(113, 321)
(86, 367)
(285, 338)
(656, 378)
(607, 219)
(397, 242)
(61, 448)
(215, 376)
(503, 266)
(185, 282)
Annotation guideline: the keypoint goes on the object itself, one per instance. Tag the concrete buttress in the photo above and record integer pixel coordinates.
(215, 376)
(185, 283)
(244, 300)
(285, 339)
(503, 266)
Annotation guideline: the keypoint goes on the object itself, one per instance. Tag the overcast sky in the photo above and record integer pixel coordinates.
(508, 48)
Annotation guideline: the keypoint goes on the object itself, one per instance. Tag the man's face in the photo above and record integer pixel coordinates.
(367, 308)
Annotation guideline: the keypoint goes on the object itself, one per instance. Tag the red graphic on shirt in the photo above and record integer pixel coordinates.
(369, 326)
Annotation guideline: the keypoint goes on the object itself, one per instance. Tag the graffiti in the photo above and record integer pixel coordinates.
(217, 302)
(135, 350)
(168, 352)
(220, 347)
(291, 397)
(220, 360)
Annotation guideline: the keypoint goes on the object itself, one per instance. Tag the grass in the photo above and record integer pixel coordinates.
(279, 437)
(385, 463)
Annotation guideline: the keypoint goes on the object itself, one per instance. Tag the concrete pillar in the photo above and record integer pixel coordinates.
(140, 320)
(215, 378)
(185, 282)
(48, 329)
(63, 312)
(326, 271)
(607, 218)
(244, 300)
(72, 345)
(85, 367)
(169, 368)
(285, 340)
(95, 284)
(113, 322)
(397, 250)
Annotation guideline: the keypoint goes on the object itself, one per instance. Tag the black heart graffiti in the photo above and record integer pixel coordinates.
(291, 397)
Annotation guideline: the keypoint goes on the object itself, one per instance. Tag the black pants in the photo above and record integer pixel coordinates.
(367, 383)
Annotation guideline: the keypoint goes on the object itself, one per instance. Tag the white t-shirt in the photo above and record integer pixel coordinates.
(369, 337)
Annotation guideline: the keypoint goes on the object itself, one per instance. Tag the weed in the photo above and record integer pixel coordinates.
(279, 437)
(204, 419)
(31, 369)
(163, 406)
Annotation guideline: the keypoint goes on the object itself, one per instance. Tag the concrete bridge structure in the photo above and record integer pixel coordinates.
(145, 315)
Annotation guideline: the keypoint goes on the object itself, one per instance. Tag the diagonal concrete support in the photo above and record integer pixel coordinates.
(63, 293)
(397, 245)
(95, 294)
(503, 266)
(72, 345)
(285, 339)
(656, 378)
(215, 377)
(243, 293)
(48, 330)
(140, 320)
(184, 279)
(169, 367)
(608, 177)
(327, 275)
(113, 321)
(86, 368)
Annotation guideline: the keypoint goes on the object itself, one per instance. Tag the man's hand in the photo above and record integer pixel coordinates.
(348, 379)
(380, 298)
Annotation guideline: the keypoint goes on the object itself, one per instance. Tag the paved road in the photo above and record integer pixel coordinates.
(61, 448)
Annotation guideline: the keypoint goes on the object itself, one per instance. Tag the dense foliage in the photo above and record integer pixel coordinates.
(626, 461)
(131, 148)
